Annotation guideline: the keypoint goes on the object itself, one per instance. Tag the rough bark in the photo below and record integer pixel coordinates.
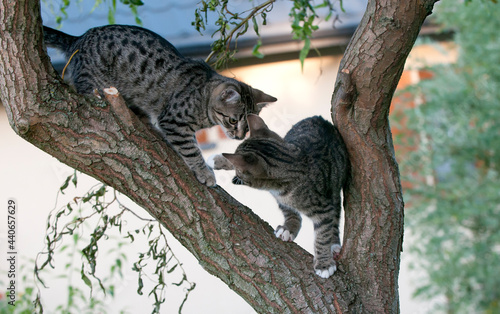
(368, 76)
(106, 141)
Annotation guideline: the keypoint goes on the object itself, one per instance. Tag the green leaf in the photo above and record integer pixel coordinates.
(140, 285)
(329, 16)
(342, 6)
(255, 25)
(101, 191)
(138, 20)
(245, 29)
(304, 52)
(256, 52)
(129, 235)
(137, 2)
(111, 16)
(172, 268)
(86, 279)
(65, 184)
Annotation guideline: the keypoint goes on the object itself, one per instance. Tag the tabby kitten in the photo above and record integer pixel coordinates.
(305, 172)
(179, 95)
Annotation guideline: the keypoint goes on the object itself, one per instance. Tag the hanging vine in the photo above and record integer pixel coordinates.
(66, 227)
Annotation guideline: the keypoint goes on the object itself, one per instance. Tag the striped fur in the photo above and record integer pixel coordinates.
(305, 172)
(179, 95)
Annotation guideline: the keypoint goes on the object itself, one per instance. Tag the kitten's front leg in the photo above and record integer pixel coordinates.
(291, 227)
(185, 144)
(219, 162)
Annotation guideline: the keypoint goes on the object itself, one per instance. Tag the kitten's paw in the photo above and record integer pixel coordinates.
(206, 176)
(336, 248)
(218, 162)
(326, 273)
(325, 269)
(211, 161)
(284, 234)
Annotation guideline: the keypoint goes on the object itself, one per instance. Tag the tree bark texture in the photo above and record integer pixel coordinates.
(108, 142)
(367, 78)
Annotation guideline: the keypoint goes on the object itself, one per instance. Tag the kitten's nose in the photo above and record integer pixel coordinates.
(241, 133)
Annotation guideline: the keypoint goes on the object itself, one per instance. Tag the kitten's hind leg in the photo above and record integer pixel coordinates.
(291, 227)
(326, 229)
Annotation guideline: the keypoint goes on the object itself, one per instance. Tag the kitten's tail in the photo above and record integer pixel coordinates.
(59, 40)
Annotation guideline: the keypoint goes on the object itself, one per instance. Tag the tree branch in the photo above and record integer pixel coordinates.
(107, 142)
(227, 39)
(370, 71)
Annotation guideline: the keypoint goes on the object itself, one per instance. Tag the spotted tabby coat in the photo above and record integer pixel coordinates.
(179, 95)
(305, 172)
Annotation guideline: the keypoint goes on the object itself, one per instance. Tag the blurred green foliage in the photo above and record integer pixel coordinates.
(453, 199)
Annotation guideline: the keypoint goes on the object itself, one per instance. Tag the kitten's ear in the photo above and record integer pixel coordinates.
(230, 96)
(261, 98)
(258, 128)
(241, 161)
(256, 125)
(247, 163)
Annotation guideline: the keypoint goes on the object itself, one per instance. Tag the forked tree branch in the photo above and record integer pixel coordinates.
(106, 141)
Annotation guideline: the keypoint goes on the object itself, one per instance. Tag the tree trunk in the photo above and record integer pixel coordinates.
(108, 142)
(368, 76)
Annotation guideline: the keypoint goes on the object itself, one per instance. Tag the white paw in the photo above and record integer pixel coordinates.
(325, 273)
(284, 234)
(336, 248)
(219, 162)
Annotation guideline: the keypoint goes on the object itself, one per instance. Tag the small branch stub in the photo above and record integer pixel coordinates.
(116, 101)
(112, 91)
(344, 94)
(23, 126)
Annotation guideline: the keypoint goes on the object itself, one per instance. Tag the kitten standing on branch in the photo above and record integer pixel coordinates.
(305, 172)
(179, 95)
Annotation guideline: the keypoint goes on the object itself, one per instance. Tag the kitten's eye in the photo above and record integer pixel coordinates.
(232, 121)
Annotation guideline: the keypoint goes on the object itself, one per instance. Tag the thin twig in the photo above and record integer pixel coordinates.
(228, 38)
